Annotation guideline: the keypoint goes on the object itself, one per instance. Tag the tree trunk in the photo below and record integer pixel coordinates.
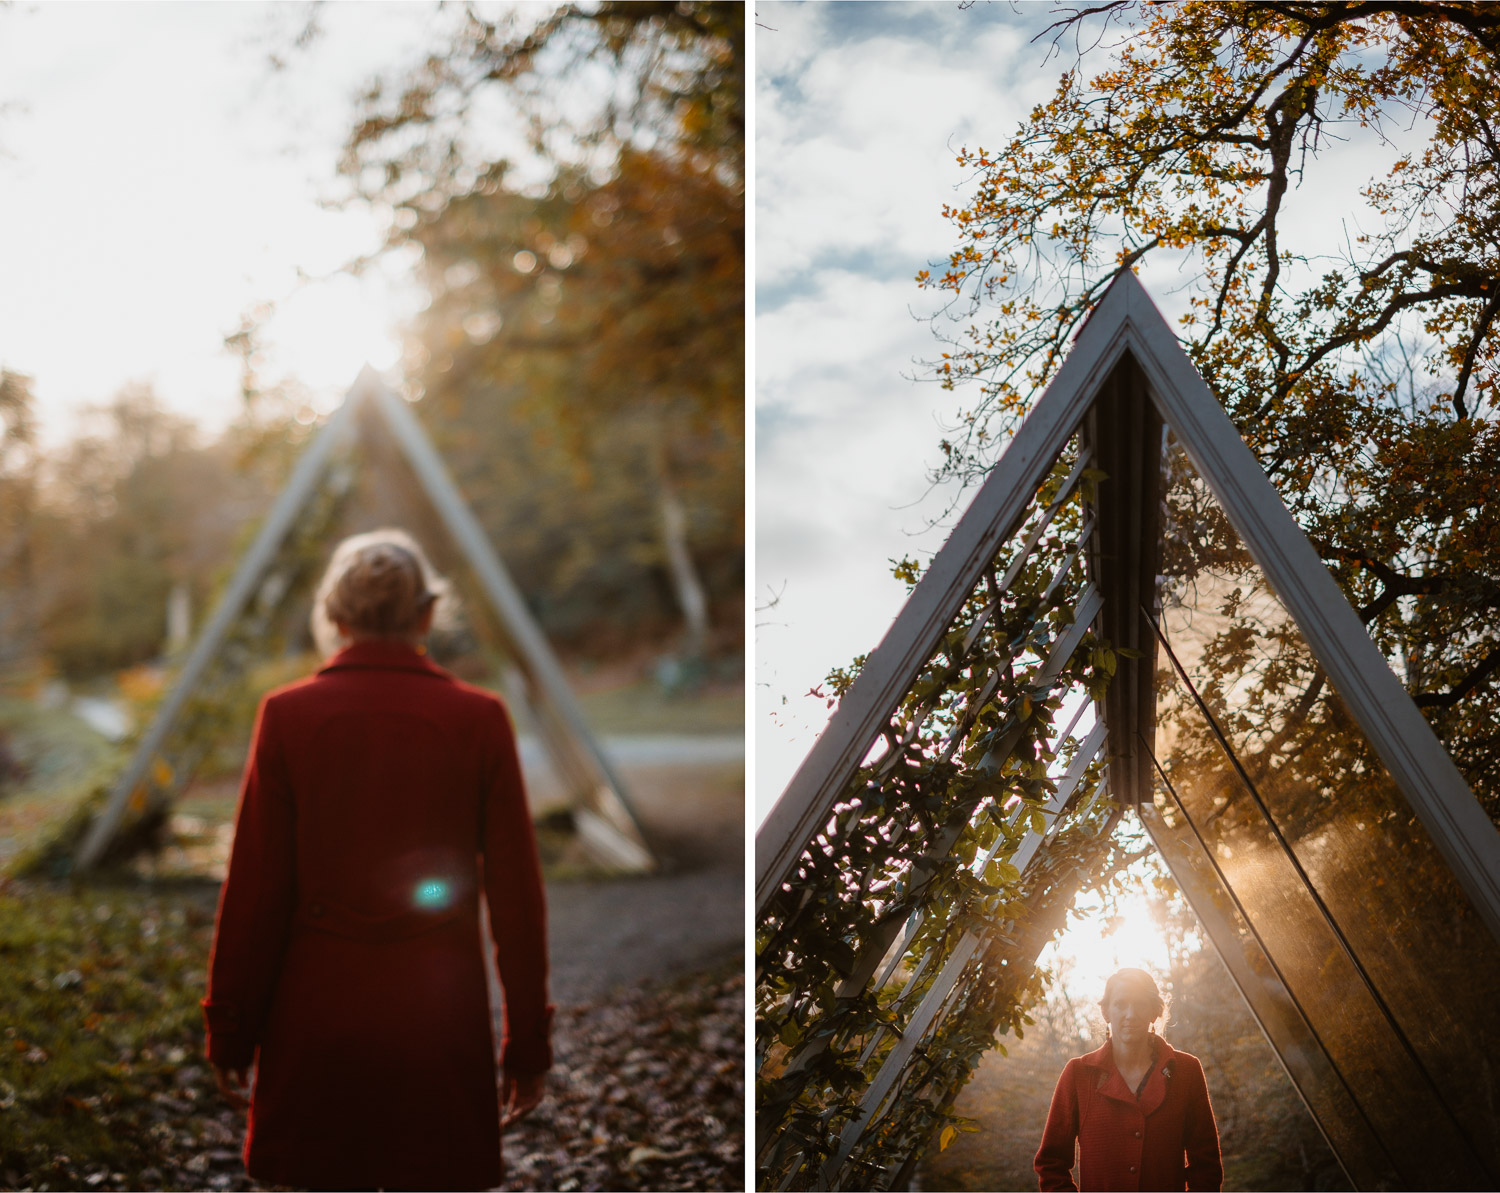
(692, 597)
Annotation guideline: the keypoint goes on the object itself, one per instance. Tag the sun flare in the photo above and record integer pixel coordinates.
(324, 333)
(1099, 943)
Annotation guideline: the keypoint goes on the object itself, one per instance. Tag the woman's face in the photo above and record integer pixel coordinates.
(1129, 1014)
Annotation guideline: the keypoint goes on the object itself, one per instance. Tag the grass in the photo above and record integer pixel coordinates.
(643, 706)
(100, 1069)
(57, 749)
(65, 762)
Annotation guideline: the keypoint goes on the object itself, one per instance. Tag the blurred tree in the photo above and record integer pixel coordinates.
(129, 508)
(611, 317)
(19, 461)
(591, 81)
(600, 307)
(1360, 366)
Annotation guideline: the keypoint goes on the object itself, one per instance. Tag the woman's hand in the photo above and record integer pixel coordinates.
(233, 1084)
(519, 1094)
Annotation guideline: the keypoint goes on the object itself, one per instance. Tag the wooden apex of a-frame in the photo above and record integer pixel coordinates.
(603, 815)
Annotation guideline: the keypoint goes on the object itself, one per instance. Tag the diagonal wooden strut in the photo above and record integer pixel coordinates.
(604, 817)
(242, 585)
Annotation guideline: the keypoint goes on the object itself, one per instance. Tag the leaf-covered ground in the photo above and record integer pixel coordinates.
(102, 1084)
(648, 1092)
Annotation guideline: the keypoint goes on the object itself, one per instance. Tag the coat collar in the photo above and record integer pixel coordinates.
(383, 654)
(1110, 1084)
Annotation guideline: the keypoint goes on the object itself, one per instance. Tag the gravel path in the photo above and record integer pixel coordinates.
(622, 931)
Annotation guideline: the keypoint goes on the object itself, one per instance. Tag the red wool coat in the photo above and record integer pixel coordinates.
(1166, 1140)
(381, 797)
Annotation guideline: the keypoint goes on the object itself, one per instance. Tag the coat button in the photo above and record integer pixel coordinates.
(1132, 1168)
(1137, 1134)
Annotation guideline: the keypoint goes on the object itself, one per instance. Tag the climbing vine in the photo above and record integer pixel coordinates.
(916, 863)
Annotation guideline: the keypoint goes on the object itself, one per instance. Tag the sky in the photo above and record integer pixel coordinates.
(860, 113)
(158, 180)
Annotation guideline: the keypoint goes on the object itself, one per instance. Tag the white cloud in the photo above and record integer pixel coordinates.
(860, 112)
(856, 142)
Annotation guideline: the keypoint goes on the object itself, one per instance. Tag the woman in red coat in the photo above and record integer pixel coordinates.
(1137, 1109)
(381, 799)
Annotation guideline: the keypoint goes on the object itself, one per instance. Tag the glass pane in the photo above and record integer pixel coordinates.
(1317, 1079)
(1317, 843)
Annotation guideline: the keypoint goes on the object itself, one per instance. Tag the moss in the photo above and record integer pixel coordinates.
(55, 750)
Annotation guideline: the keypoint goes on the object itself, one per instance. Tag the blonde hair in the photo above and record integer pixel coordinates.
(377, 585)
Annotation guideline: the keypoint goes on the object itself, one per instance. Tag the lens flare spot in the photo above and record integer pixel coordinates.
(433, 894)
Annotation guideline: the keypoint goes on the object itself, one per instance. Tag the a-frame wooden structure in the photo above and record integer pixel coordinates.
(1331, 850)
(601, 808)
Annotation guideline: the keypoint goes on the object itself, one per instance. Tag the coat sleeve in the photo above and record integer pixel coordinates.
(517, 906)
(255, 904)
(1054, 1159)
(1205, 1166)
